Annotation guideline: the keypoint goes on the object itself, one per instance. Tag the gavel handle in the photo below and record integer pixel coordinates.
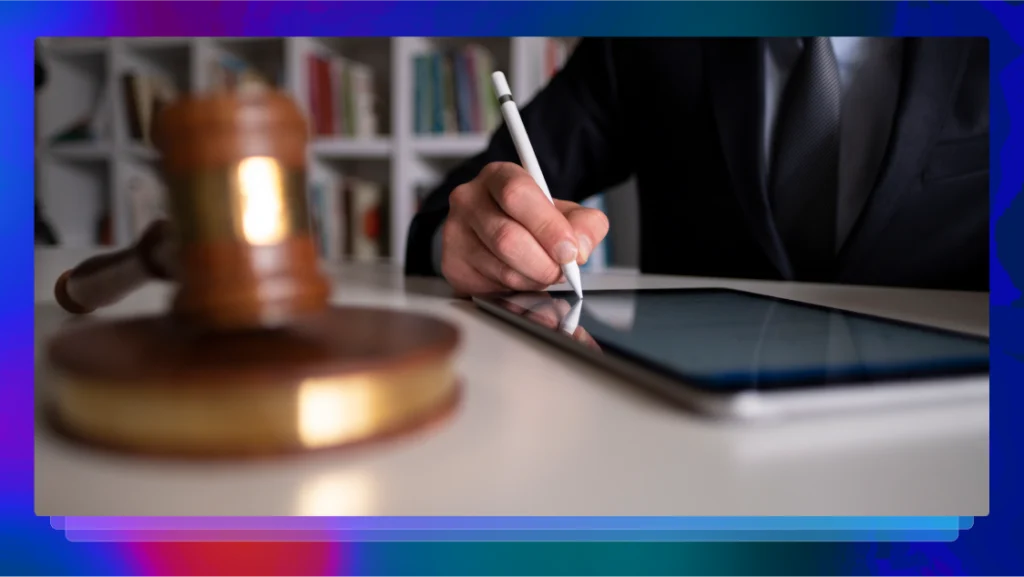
(106, 279)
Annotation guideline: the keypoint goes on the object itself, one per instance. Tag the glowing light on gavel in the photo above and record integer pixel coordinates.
(263, 211)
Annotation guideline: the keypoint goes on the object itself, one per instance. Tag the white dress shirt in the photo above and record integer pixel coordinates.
(869, 77)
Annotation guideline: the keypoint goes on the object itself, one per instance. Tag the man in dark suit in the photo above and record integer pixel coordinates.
(849, 160)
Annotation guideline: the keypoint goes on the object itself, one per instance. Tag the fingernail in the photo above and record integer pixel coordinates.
(583, 241)
(565, 252)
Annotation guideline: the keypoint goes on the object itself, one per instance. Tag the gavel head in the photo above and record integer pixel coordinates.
(235, 168)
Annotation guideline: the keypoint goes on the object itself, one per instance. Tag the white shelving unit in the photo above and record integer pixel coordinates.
(78, 182)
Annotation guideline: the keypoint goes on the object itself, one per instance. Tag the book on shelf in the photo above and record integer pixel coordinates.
(453, 92)
(342, 97)
(547, 57)
(353, 223)
(327, 220)
(229, 73)
(145, 96)
(366, 230)
(105, 228)
(556, 52)
(317, 210)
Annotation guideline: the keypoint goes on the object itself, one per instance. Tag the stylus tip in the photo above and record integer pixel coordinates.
(572, 276)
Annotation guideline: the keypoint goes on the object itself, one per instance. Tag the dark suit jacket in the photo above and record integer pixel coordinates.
(684, 117)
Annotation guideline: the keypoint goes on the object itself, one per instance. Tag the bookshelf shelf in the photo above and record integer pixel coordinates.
(370, 141)
(460, 146)
(142, 152)
(353, 148)
(82, 151)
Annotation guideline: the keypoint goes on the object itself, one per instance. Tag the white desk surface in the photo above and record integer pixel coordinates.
(542, 433)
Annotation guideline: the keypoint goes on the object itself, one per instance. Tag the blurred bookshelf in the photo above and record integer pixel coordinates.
(388, 117)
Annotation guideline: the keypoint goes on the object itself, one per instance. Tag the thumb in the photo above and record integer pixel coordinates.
(590, 226)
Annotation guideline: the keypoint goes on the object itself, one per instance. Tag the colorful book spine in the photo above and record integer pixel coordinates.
(342, 97)
(437, 81)
(556, 51)
(473, 87)
(453, 92)
(464, 95)
(490, 117)
(337, 79)
(321, 105)
(366, 209)
(450, 111)
(317, 220)
(362, 107)
(423, 94)
(145, 96)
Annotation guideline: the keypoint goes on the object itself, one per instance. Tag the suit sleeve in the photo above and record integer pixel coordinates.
(575, 128)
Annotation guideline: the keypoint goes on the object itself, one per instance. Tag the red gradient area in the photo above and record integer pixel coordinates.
(238, 558)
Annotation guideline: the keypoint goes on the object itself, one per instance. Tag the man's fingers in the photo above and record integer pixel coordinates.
(466, 280)
(468, 247)
(456, 269)
(510, 242)
(497, 270)
(589, 225)
(523, 237)
(521, 198)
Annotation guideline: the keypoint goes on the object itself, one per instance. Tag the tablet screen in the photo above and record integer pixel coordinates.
(728, 339)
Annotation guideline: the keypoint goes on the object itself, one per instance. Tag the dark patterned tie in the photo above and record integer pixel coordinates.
(803, 178)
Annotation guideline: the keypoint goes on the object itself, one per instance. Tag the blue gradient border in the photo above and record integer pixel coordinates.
(490, 529)
(32, 546)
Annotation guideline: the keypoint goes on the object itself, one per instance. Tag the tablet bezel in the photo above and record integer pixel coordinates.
(891, 387)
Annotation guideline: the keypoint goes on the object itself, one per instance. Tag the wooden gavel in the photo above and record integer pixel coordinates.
(250, 358)
(108, 278)
(239, 244)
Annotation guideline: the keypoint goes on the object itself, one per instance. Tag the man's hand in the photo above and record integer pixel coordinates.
(502, 233)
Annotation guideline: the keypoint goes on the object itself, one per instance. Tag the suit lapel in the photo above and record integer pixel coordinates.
(736, 81)
(931, 72)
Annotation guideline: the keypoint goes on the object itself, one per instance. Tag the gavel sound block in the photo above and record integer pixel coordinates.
(250, 359)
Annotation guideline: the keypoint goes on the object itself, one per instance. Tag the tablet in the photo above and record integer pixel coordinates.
(738, 354)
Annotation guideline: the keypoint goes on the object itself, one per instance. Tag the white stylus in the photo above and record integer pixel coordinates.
(571, 321)
(510, 111)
